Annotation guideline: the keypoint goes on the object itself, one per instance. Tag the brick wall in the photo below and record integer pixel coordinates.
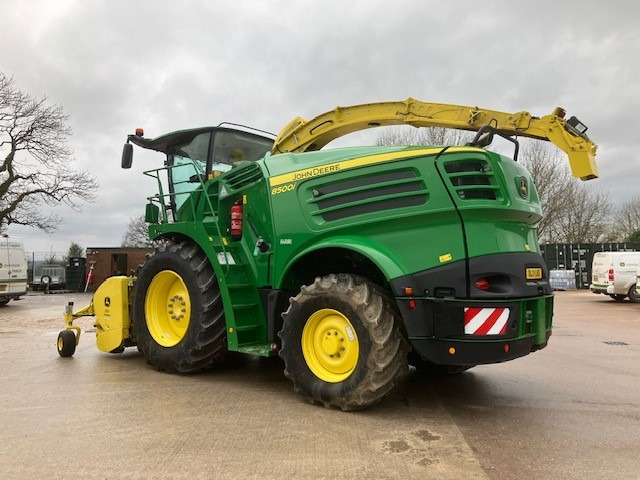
(113, 261)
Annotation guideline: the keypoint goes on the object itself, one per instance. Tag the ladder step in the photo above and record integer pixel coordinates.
(246, 328)
(260, 349)
(244, 306)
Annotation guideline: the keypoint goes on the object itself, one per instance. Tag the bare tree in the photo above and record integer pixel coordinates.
(424, 136)
(52, 259)
(137, 233)
(35, 160)
(552, 180)
(627, 219)
(573, 211)
(585, 217)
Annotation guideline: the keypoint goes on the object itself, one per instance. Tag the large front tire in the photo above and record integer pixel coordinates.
(178, 317)
(341, 343)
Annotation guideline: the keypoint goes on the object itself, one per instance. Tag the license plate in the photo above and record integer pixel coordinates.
(534, 273)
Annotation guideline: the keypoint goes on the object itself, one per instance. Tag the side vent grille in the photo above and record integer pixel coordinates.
(369, 194)
(243, 176)
(473, 180)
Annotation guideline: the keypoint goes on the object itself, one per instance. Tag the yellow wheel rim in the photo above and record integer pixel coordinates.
(60, 344)
(167, 308)
(330, 345)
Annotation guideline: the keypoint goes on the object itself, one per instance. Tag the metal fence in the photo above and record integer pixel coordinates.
(579, 257)
(54, 270)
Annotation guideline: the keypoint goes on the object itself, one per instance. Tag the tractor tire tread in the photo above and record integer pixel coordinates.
(386, 363)
(208, 345)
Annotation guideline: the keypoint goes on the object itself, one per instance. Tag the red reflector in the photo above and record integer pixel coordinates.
(506, 348)
(408, 291)
(560, 112)
(139, 132)
(412, 304)
(611, 274)
(482, 284)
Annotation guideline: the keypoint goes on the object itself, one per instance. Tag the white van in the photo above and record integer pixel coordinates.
(13, 269)
(615, 274)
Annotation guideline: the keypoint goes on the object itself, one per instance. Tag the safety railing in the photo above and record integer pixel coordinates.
(161, 198)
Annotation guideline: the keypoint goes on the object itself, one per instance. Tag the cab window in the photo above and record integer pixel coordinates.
(232, 147)
(197, 150)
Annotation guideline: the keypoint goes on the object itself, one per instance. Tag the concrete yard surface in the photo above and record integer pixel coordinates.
(569, 411)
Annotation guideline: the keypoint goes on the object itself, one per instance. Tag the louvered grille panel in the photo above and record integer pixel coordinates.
(473, 180)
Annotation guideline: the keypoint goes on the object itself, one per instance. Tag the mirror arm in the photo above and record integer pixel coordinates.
(492, 131)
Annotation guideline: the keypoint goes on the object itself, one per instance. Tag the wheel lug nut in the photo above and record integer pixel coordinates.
(342, 339)
(328, 333)
(342, 348)
(183, 310)
(335, 333)
(331, 356)
(338, 355)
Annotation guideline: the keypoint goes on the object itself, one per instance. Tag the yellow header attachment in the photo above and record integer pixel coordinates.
(301, 135)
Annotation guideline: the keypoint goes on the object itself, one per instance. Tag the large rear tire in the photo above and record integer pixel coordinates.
(178, 317)
(341, 343)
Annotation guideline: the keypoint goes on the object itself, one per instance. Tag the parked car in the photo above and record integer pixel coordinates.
(13, 269)
(616, 274)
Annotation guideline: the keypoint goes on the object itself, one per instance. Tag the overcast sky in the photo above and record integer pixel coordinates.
(117, 65)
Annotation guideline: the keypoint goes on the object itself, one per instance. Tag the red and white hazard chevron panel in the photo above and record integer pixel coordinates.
(485, 321)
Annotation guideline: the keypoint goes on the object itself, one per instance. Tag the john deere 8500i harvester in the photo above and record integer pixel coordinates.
(349, 263)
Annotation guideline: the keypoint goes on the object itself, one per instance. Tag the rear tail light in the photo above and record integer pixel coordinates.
(235, 224)
(611, 274)
(482, 284)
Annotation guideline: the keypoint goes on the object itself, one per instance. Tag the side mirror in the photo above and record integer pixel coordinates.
(127, 155)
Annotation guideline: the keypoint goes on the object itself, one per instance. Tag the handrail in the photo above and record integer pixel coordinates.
(160, 197)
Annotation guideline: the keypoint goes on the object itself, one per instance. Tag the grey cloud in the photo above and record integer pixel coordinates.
(162, 65)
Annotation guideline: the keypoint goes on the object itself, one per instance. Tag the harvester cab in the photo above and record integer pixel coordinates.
(349, 263)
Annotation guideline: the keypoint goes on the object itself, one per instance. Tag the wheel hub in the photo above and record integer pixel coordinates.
(167, 308)
(330, 345)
